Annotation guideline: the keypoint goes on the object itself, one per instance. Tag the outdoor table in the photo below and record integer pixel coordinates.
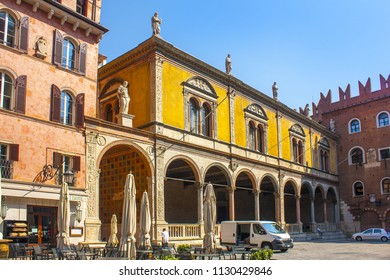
(242, 252)
(204, 256)
(144, 254)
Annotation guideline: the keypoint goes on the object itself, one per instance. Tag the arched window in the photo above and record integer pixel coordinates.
(194, 116)
(354, 126)
(66, 113)
(386, 186)
(358, 189)
(383, 119)
(324, 160)
(295, 149)
(68, 54)
(300, 152)
(109, 113)
(6, 91)
(356, 156)
(260, 139)
(252, 136)
(7, 29)
(206, 118)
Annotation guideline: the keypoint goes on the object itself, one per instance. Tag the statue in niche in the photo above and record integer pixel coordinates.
(124, 98)
(332, 125)
(228, 64)
(275, 91)
(156, 21)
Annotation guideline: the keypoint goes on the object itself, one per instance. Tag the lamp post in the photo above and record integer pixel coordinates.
(68, 177)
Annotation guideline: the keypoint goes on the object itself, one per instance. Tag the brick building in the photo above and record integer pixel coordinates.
(48, 83)
(362, 122)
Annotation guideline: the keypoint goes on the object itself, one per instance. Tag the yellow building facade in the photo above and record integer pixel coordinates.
(189, 124)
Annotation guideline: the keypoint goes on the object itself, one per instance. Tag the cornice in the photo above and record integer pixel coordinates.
(67, 15)
(156, 46)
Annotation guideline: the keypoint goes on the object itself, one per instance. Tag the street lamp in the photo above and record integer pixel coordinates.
(68, 177)
(79, 212)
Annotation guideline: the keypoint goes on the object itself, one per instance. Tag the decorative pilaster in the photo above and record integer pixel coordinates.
(279, 132)
(232, 93)
(92, 221)
(156, 91)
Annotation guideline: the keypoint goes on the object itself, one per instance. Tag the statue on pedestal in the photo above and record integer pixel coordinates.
(124, 98)
(332, 125)
(228, 64)
(275, 91)
(156, 21)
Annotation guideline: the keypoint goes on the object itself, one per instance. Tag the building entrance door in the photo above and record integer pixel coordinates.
(42, 224)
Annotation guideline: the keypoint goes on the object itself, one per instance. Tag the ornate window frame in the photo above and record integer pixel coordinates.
(298, 136)
(199, 89)
(387, 186)
(255, 116)
(323, 153)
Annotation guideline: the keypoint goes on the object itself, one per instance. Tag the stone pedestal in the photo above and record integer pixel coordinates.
(125, 119)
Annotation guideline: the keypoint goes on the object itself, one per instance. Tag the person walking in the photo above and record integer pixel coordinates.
(164, 238)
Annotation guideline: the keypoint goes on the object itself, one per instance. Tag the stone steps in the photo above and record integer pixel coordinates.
(311, 236)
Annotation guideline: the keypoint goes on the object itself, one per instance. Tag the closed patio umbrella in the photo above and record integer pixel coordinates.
(113, 239)
(210, 217)
(129, 223)
(145, 221)
(63, 218)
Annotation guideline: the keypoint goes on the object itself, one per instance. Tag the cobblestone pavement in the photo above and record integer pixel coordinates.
(336, 250)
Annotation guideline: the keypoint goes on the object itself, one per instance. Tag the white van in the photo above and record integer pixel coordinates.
(259, 234)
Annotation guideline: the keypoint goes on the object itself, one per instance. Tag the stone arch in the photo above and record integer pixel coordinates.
(245, 184)
(181, 181)
(218, 175)
(319, 199)
(331, 205)
(290, 191)
(306, 198)
(268, 196)
(115, 162)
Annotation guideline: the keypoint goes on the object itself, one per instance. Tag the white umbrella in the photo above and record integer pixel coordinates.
(209, 216)
(129, 223)
(145, 221)
(63, 217)
(113, 239)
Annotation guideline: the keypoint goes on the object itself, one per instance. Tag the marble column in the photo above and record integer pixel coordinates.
(231, 203)
(298, 211)
(256, 194)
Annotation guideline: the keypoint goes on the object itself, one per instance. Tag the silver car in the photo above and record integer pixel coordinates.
(372, 234)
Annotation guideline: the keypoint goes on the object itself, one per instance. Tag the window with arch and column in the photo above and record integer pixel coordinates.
(12, 92)
(257, 127)
(297, 142)
(13, 32)
(65, 108)
(200, 106)
(324, 149)
(69, 54)
(383, 119)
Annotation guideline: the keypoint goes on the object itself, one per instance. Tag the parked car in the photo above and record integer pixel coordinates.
(372, 234)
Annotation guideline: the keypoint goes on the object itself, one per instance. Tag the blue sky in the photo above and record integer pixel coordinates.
(306, 46)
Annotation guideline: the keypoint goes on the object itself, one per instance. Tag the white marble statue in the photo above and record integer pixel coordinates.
(124, 98)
